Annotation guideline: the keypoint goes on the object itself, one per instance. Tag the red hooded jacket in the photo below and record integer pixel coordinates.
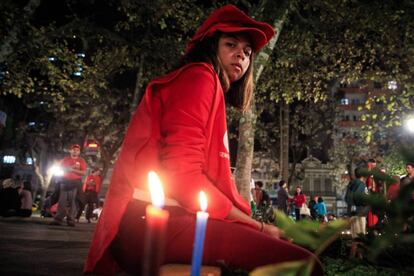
(179, 130)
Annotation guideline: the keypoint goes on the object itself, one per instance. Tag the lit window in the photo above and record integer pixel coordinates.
(345, 101)
(9, 159)
(392, 85)
(29, 161)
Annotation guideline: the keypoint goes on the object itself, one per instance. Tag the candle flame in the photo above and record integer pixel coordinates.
(203, 201)
(156, 191)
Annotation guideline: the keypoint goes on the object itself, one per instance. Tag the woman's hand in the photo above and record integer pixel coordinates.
(272, 231)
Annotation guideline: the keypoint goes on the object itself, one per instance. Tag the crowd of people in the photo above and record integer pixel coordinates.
(16, 198)
(361, 216)
(74, 191)
(295, 204)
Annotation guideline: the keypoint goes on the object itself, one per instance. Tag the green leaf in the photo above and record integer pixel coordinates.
(309, 233)
(295, 268)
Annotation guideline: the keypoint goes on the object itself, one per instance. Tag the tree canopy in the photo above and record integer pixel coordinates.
(82, 66)
(326, 44)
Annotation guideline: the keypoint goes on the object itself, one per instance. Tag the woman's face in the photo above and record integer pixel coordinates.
(234, 52)
(298, 190)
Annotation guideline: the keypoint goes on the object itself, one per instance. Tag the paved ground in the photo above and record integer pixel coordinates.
(32, 247)
(29, 246)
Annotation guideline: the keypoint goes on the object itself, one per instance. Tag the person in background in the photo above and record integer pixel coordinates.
(311, 205)
(393, 189)
(52, 198)
(370, 183)
(331, 217)
(9, 198)
(358, 217)
(179, 131)
(91, 187)
(26, 199)
(260, 196)
(264, 211)
(251, 198)
(98, 210)
(282, 197)
(74, 167)
(349, 197)
(320, 208)
(373, 187)
(409, 177)
(299, 199)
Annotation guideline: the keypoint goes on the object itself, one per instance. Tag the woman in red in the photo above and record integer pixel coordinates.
(179, 130)
(299, 199)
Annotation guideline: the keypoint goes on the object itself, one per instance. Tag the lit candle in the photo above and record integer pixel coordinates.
(200, 233)
(156, 228)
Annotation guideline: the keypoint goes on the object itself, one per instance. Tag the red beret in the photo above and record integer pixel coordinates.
(229, 19)
(75, 146)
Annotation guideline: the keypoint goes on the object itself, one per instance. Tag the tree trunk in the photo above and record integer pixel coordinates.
(284, 140)
(38, 152)
(6, 47)
(138, 91)
(42, 182)
(245, 152)
(246, 123)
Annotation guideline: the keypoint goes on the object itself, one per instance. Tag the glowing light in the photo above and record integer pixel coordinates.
(93, 145)
(29, 161)
(156, 191)
(392, 85)
(203, 201)
(409, 125)
(56, 170)
(9, 159)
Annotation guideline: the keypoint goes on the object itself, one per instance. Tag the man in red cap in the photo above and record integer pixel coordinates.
(180, 131)
(74, 168)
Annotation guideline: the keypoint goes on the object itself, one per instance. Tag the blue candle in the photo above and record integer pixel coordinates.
(200, 233)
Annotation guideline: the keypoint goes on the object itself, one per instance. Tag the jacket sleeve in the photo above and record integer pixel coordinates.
(98, 181)
(85, 183)
(187, 107)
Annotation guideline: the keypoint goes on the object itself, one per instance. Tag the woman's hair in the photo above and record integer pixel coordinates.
(296, 192)
(320, 199)
(282, 182)
(259, 183)
(238, 93)
(27, 185)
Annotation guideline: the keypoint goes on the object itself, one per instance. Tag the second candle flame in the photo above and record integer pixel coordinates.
(203, 201)
(156, 191)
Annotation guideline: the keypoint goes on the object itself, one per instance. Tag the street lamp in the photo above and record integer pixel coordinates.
(56, 171)
(409, 124)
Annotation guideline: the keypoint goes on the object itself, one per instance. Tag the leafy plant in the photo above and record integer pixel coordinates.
(306, 233)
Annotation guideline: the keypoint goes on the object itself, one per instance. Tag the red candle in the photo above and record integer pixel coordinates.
(155, 231)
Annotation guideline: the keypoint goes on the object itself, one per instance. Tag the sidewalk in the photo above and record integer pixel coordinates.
(29, 246)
